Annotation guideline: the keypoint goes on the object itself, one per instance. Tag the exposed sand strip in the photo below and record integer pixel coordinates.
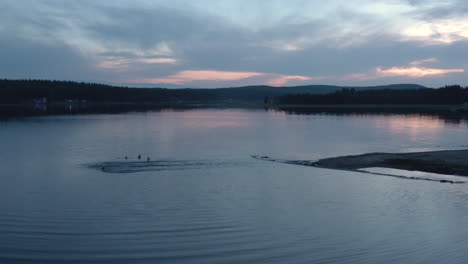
(448, 162)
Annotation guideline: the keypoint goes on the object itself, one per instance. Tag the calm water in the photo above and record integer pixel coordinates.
(229, 208)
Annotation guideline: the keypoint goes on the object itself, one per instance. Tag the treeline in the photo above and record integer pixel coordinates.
(452, 94)
(25, 91)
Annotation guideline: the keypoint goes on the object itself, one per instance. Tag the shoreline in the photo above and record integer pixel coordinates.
(448, 113)
(249, 103)
(434, 107)
(452, 162)
(446, 162)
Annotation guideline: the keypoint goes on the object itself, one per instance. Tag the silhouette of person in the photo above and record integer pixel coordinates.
(148, 159)
(139, 156)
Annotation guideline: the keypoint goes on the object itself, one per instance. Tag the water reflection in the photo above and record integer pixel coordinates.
(231, 208)
(210, 119)
(413, 126)
(16, 111)
(444, 115)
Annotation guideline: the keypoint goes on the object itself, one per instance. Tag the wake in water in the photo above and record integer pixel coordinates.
(165, 165)
(161, 165)
(295, 162)
(402, 174)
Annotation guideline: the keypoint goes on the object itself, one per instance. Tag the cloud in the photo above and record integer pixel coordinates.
(193, 76)
(283, 43)
(184, 77)
(437, 31)
(124, 64)
(285, 79)
(414, 72)
(22, 59)
(423, 61)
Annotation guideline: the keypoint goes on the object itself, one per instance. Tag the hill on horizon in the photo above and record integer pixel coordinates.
(16, 91)
(259, 92)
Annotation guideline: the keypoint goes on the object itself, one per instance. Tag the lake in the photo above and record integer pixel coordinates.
(216, 204)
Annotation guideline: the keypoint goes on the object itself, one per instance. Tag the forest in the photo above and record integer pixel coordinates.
(25, 91)
(28, 91)
(450, 94)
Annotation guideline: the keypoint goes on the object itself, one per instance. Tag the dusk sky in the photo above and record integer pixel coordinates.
(207, 43)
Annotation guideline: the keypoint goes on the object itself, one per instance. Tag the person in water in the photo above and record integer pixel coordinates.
(148, 159)
(139, 156)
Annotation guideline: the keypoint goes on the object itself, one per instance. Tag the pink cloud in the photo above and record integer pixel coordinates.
(189, 76)
(424, 61)
(184, 77)
(282, 80)
(414, 72)
(116, 63)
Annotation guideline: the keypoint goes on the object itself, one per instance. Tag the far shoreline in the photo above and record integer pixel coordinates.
(449, 107)
(450, 113)
(253, 104)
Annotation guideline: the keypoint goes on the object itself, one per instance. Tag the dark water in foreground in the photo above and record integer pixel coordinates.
(225, 207)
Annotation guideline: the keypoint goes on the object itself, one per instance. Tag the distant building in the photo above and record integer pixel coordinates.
(461, 108)
(40, 103)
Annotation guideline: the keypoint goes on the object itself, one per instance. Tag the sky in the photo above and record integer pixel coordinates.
(212, 43)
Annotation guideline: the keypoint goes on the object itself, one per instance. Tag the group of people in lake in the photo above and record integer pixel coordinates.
(139, 158)
(126, 158)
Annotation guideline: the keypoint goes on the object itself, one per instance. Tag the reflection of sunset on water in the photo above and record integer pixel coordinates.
(210, 119)
(414, 126)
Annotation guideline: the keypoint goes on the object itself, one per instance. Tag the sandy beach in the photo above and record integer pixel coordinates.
(447, 162)
(454, 162)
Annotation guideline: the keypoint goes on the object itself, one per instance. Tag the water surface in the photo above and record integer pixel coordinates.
(229, 208)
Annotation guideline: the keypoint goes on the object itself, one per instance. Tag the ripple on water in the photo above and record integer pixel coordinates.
(163, 165)
(46, 240)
